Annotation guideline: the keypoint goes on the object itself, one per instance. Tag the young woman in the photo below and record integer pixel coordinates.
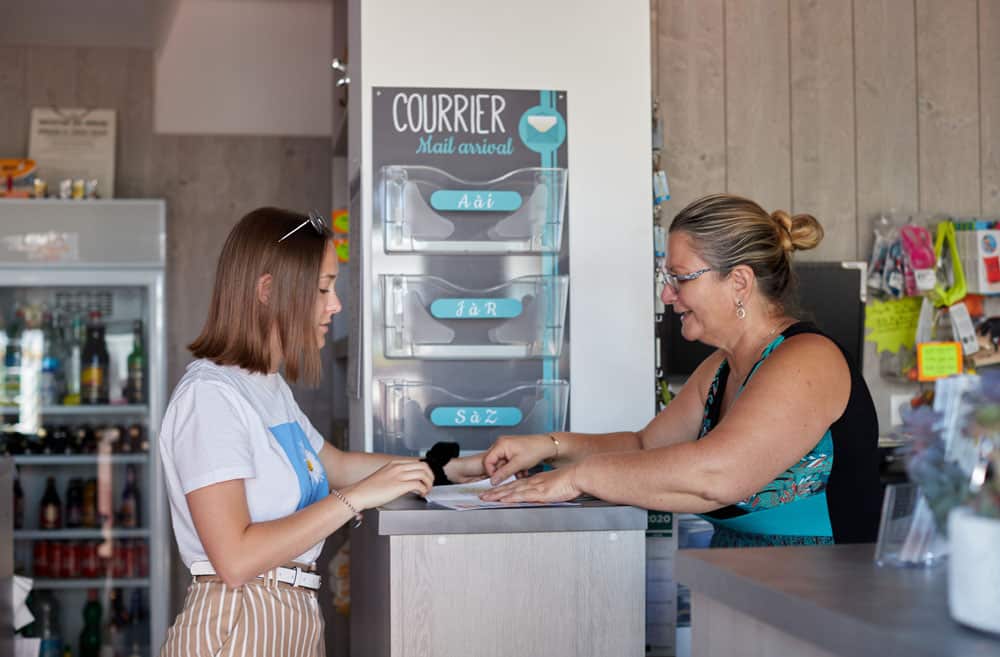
(773, 438)
(254, 489)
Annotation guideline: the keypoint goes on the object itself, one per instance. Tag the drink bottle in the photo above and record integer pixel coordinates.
(94, 363)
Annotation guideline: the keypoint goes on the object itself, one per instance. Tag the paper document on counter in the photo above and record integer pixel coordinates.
(462, 497)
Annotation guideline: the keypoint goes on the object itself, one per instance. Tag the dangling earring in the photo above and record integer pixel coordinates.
(741, 312)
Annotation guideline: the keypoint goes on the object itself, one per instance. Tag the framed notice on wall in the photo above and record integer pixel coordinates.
(74, 143)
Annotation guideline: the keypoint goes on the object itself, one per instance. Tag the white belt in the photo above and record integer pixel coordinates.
(293, 576)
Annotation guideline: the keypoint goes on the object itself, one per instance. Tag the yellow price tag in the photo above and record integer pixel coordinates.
(937, 360)
(341, 222)
(893, 324)
(343, 248)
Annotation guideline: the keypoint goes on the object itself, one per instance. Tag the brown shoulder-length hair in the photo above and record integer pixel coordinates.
(238, 328)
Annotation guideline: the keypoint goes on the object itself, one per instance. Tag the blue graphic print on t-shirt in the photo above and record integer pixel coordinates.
(313, 485)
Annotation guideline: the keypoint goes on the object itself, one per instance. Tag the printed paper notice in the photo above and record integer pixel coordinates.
(937, 360)
(893, 324)
(74, 143)
(462, 497)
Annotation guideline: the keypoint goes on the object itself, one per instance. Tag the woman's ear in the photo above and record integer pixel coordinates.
(742, 279)
(264, 288)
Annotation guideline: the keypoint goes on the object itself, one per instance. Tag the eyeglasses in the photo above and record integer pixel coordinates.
(314, 219)
(674, 280)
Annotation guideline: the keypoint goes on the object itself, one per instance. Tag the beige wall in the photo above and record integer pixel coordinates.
(208, 182)
(233, 67)
(838, 108)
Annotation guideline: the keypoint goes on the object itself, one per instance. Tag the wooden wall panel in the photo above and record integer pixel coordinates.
(689, 76)
(948, 106)
(822, 115)
(886, 118)
(852, 65)
(758, 131)
(106, 78)
(122, 79)
(51, 76)
(989, 105)
(14, 115)
(886, 110)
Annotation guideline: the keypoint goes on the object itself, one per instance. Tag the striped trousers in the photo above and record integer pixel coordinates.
(262, 618)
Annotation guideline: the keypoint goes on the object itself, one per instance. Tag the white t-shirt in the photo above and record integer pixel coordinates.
(225, 423)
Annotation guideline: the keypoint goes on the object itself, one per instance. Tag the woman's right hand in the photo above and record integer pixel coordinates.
(392, 480)
(513, 455)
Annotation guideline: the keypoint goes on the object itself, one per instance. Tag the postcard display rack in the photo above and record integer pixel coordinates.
(468, 267)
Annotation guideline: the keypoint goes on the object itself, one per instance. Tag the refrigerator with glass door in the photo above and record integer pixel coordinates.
(82, 381)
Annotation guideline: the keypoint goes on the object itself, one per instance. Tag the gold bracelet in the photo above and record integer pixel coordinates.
(555, 440)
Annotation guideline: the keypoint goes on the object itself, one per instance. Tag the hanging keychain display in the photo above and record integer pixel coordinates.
(950, 267)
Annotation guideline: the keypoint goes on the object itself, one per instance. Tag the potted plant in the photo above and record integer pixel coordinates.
(954, 456)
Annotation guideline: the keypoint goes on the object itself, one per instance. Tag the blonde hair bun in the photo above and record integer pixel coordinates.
(798, 232)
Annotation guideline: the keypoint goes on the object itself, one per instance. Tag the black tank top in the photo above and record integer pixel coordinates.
(853, 490)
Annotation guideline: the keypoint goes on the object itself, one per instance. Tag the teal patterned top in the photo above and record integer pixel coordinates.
(791, 509)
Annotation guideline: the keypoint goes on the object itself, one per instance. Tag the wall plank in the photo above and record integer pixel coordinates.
(886, 109)
(948, 106)
(758, 130)
(121, 78)
(14, 117)
(822, 115)
(691, 86)
(989, 105)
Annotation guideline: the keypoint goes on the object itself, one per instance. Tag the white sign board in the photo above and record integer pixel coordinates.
(74, 143)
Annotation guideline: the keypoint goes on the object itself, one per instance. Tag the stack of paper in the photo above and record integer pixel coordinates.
(462, 497)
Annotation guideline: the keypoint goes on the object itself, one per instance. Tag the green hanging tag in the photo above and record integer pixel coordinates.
(948, 296)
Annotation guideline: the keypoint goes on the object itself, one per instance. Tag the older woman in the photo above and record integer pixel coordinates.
(773, 438)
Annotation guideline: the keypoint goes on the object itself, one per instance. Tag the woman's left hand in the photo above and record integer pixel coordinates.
(553, 486)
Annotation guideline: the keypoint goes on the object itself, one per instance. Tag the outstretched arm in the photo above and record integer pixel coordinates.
(793, 399)
(678, 422)
(241, 549)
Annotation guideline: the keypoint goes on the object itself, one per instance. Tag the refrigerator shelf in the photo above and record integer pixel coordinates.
(95, 409)
(77, 534)
(429, 317)
(428, 210)
(80, 459)
(417, 414)
(55, 583)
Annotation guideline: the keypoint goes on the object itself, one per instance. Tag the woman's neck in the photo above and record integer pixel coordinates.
(749, 346)
(276, 352)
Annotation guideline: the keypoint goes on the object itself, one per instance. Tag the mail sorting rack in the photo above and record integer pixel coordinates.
(417, 414)
(429, 317)
(428, 210)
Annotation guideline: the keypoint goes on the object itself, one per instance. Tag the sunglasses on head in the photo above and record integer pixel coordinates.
(314, 219)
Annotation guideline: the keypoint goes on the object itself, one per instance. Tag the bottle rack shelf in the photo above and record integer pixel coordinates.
(431, 318)
(56, 583)
(97, 409)
(80, 459)
(428, 210)
(416, 414)
(77, 534)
